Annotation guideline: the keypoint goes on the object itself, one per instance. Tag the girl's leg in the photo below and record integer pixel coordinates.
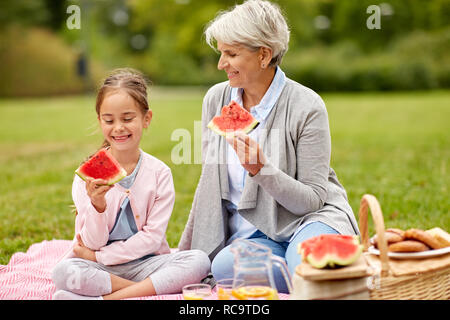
(86, 278)
(311, 230)
(179, 269)
(82, 277)
(118, 283)
(130, 289)
(166, 274)
(136, 289)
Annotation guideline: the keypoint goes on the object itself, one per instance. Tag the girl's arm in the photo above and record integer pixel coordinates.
(153, 234)
(89, 223)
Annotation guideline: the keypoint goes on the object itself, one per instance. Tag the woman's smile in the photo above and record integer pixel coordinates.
(232, 75)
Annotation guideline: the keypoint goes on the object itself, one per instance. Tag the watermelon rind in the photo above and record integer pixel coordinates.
(122, 174)
(332, 260)
(246, 130)
(313, 248)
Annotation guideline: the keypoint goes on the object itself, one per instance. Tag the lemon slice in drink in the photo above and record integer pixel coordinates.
(255, 292)
(238, 295)
(222, 294)
(194, 296)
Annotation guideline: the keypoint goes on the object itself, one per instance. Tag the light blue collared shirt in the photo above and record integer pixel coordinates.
(239, 227)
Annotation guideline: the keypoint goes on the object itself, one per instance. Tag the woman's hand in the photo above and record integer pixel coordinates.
(83, 252)
(96, 190)
(248, 151)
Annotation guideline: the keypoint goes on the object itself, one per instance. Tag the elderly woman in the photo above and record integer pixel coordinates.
(281, 190)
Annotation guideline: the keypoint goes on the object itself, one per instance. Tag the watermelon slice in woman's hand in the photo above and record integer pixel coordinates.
(102, 165)
(233, 118)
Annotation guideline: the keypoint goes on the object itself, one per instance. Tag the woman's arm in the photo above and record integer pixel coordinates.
(307, 191)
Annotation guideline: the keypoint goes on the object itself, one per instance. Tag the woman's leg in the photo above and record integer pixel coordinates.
(279, 250)
(223, 262)
(313, 229)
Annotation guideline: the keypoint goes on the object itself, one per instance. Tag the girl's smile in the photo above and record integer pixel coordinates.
(121, 139)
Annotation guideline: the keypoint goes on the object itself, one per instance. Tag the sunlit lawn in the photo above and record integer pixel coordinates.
(393, 145)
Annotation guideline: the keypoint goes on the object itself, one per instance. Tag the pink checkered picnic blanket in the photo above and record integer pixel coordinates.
(27, 275)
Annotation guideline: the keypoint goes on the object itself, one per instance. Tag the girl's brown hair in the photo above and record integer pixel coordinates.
(131, 81)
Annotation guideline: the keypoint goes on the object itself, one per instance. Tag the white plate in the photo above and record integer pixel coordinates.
(412, 255)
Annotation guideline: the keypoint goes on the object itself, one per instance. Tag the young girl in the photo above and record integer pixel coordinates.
(120, 249)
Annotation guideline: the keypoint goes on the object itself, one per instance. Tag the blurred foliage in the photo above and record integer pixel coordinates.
(331, 47)
(35, 62)
(420, 60)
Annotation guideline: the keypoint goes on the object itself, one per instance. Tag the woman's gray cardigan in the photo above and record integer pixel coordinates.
(294, 187)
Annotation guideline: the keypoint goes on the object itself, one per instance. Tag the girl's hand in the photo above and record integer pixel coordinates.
(248, 151)
(96, 190)
(83, 252)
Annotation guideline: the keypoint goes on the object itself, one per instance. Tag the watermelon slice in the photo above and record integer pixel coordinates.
(330, 250)
(102, 165)
(233, 118)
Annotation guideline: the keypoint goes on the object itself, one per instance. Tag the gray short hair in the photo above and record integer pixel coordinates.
(253, 24)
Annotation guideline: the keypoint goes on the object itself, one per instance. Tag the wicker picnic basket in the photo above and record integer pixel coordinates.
(412, 279)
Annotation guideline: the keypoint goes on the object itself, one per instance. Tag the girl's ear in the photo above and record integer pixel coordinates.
(148, 118)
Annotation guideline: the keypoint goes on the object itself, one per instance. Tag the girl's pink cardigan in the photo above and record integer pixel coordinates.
(152, 197)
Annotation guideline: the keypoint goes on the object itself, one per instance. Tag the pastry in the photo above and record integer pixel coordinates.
(400, 232)
(391, 237)
(408, 246)
(441, 236)
(420, 235)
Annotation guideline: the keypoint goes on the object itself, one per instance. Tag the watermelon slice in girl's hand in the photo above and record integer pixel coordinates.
(233, 118)
(102, 165)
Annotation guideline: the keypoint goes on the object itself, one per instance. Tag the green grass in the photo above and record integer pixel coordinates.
(393, 145)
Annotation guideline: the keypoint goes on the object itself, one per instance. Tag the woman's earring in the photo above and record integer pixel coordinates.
(263, 66)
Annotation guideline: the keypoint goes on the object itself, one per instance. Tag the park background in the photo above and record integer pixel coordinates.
(386, 91)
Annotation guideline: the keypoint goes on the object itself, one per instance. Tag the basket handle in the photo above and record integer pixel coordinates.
(369, 201)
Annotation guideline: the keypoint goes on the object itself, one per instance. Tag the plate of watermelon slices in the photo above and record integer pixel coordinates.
(412, 255)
